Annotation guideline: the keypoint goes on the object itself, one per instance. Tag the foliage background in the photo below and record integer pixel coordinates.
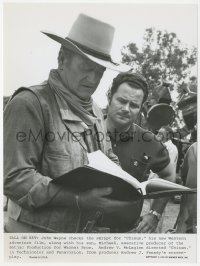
(163, 59)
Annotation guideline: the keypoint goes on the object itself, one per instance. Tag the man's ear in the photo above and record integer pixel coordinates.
(139, 115)
(109, 96)
(61, 58)
(144, 108)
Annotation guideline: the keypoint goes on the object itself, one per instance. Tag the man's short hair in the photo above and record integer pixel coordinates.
(135, 80)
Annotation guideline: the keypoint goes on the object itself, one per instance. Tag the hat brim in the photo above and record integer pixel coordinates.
(68, 44)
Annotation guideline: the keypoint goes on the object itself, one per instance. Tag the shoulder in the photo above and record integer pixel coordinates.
(150, 141)
(22, 99)
(97, 110)
(193, 148)
(192, 152)
(25, 98)
(171, 146)
(144, 134)
(23, 108)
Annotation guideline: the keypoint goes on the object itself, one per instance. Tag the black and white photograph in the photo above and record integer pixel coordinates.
(100, 131)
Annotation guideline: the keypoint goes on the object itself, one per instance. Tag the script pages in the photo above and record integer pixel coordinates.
(150, 189)
(102, 172)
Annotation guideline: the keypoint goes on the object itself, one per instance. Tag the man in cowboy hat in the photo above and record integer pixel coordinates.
(138, 149)
(50, 128)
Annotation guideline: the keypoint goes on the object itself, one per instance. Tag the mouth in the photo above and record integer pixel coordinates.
(91, 87)
(126, 117)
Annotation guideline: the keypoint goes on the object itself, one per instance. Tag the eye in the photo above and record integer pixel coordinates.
(134, 105)
(87, 66)
(121, 100)
(84, 66)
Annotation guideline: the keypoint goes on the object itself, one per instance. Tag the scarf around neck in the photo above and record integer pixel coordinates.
(65, 99)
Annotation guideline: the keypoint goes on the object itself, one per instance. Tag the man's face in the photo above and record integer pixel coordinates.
(125, 105)
(81, 75)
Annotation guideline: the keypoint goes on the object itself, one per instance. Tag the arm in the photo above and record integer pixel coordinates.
(168, 173)
(189, 167)
(23, 183)
(150, 221)
(184, 169)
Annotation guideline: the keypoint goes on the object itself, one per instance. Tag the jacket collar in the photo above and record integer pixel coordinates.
(68, 115)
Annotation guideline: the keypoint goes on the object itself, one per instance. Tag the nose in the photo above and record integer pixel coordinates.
(126, 107)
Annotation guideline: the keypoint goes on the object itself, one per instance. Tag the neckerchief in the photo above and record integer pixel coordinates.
(65, 99)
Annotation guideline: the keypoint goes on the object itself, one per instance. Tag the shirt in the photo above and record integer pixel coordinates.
(139, 151)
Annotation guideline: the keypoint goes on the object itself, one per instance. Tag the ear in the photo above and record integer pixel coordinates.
(61, 59)
(139, 115)
(109, 96)
(140, 110)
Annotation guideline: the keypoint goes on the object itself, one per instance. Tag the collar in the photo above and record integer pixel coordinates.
(68, 115)
(130, 133)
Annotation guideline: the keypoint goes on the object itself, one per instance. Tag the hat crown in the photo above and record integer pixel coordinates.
(91, 38)
(93, 34)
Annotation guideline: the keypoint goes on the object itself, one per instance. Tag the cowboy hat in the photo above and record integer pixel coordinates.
(91, 38)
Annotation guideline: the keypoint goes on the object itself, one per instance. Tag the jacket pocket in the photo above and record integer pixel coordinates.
(56, 164)
(139, 169)
(58, 156)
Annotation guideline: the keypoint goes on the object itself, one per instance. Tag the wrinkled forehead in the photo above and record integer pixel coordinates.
(129, 91)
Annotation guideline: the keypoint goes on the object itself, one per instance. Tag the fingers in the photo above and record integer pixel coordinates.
(94, 198)
(141, 227)
(144, 227)
(97, 198)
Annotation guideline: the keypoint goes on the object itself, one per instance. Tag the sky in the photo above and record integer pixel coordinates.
(29, 55)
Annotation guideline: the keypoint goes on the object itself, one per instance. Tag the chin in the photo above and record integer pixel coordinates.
(120, 123)
(84, 97)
